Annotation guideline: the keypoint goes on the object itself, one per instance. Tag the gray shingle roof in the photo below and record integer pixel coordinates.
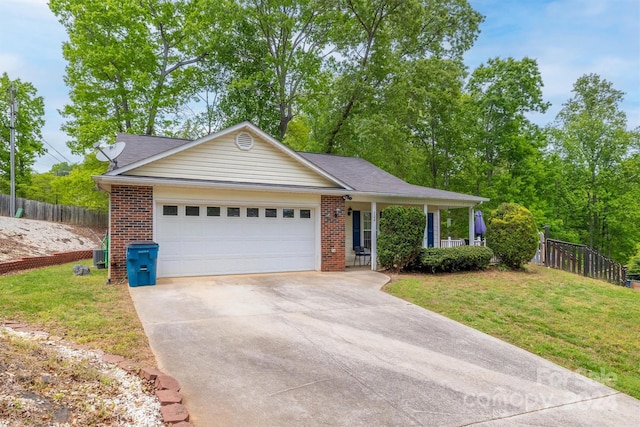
(366, 177)
(139, 147)
(357, 173)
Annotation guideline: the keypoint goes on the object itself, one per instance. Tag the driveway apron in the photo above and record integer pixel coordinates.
(331, 349)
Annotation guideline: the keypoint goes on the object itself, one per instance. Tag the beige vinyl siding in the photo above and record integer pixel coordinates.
(222, 160)
(259, 198)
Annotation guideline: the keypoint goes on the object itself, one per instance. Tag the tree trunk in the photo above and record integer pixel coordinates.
(345, 114)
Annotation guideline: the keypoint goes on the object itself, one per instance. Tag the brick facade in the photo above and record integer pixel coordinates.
(332, 233)
(131, 216)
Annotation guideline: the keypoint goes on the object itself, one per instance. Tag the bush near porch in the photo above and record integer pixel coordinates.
(400, 238)
(451, 260)
(513, 235)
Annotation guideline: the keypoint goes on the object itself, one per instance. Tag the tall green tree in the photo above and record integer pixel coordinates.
(433, 95)
(29, 120)
(131, 64)
(282, 45)
(378, 37)
(501, 93)
(590, 135)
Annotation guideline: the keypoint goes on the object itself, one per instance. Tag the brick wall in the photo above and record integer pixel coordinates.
(332, 233)
(131, 216)
(44, 261)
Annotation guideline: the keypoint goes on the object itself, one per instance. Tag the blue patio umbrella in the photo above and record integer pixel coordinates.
(479, 226)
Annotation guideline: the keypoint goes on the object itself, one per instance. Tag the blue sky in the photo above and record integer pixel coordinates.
(568, 38)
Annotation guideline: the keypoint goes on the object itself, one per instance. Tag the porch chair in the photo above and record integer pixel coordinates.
(361, 252)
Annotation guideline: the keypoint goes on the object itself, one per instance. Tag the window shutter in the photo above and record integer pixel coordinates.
(356, 228)
(430, 230)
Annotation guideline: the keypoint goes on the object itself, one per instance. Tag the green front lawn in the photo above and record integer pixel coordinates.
(585, 325)
(82, 309)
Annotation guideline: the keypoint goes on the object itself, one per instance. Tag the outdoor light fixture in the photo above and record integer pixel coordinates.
(349, 211)
(347, 197)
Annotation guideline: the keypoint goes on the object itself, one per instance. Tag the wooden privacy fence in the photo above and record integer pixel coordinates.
(581, 259)
(54, 213)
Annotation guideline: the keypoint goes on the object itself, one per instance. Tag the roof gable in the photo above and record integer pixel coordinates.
(217, 161)
(217, 157)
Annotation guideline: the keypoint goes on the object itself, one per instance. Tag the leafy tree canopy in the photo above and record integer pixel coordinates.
(28, 121)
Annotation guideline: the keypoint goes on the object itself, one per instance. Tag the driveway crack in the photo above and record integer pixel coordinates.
(299, 387)
(345, 369)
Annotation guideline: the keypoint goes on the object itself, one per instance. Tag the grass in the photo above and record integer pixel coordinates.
(585, 325)
(82, 309)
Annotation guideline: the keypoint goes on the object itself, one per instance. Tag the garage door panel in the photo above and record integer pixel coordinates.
(233, 264)
(237, 248)
(202, 245)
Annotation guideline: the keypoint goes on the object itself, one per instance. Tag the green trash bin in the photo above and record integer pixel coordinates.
(141, 263)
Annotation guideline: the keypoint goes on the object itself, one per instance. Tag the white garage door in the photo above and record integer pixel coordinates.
(197, 240)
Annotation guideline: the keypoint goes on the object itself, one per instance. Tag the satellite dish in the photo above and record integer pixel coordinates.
(110, 152)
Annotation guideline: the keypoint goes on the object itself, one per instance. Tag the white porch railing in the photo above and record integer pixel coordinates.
(452, 243)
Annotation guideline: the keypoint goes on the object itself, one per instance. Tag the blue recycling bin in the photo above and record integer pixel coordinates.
(142, 258)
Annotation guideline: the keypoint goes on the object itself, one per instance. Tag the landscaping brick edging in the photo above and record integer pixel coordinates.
(44, 261)
(173, 412)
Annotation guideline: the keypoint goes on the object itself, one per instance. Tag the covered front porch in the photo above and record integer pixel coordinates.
(362, 216)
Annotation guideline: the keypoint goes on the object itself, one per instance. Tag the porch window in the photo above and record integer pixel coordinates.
(366, 230)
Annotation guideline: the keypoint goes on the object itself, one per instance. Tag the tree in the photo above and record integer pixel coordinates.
(500, 95)
(79, 189)
(512, 235)
(377, 37)
(433, 95)
(284, 43)
(131, 65)
(29, 120)
(70, 185)
(590, 136)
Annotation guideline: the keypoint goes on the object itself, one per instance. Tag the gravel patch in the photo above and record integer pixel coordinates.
(46, 382)
(21, 237)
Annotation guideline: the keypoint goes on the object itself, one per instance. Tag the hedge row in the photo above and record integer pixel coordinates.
(449, 260)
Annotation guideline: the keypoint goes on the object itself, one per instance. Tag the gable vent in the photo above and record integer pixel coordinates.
(244, 141)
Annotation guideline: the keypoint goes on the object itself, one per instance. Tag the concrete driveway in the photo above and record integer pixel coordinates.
(307, 349)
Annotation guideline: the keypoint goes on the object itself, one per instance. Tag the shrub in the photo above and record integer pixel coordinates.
(450, 260)
(633, 267)
(512, 234)
(400, 238)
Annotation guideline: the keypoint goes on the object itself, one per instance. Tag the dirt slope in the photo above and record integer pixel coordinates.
(21, 237)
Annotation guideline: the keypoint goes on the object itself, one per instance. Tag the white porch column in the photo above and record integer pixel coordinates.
(471, 226)
(425, 239)
(374, 236)
(437, 233)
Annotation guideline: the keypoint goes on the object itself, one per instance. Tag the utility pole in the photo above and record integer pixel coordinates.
(12, 131)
